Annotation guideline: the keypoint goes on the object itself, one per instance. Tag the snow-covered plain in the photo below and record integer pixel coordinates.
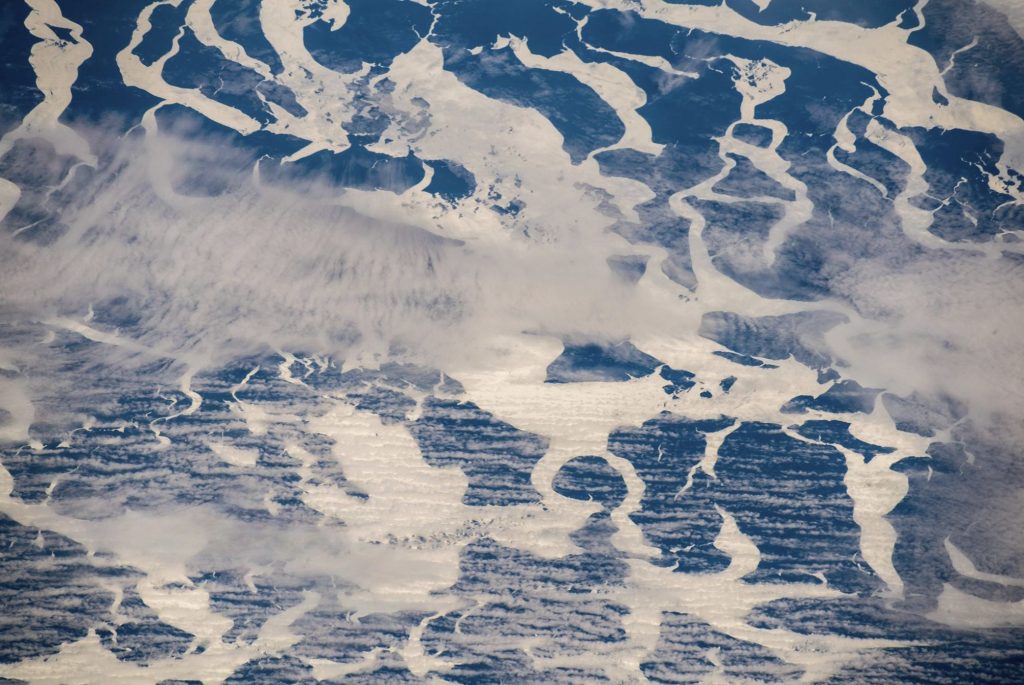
(535, 341)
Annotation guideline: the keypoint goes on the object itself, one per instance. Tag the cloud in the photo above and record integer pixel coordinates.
(260, 267)
(947, 323)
